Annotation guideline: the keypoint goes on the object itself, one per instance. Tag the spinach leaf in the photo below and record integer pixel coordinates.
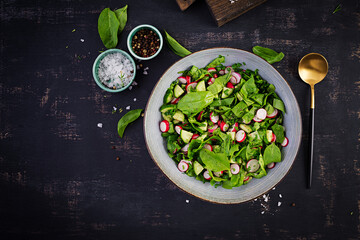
(214, 161)
(175, 46)
(268, 54)
(127, 119)
(216, 62)
(194, 102)
(249, 87)
(272, 154)
(249, 115)
(121, 15)
(222, 102)
(269, 108)
(219, 84)
(259, 98)
(239, 109)
(277, 103)
(279, 132)
(108, 26)
(338, 8)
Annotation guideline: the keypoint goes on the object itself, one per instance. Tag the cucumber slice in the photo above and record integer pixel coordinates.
(166, 117)
(203, 126)
(269, 136)
(186, 136)
(202, 137)
(198, 168)
(178, 91)
(168, 96)
(246, 128)
(165, 108)
(201, 86)
(179, 116)
(232, 135)
(226, 92)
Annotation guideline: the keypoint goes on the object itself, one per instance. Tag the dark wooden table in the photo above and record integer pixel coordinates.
(59, 177)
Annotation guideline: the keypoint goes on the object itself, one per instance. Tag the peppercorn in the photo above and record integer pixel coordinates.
(145, 43)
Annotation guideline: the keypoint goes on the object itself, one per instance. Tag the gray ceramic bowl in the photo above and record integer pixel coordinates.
(257, 187)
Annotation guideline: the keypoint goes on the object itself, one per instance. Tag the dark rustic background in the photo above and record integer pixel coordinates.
(59, 177)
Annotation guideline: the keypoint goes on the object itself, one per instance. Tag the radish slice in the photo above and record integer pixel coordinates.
(211, 81)
(273, 114)
(253, 165)
(175, 150)
(240, 136)
(207, 175)
(256, 119)
(215, 75)
(191, 85)
(246, 122)
(227, 69)
(208, 147)
(164, 126)
(175, 100)
(273, 137)
(214, 118)
(270, 165)
(246, 178)
(200, 115)
(187, 161)
(233, 128)
(211, 70)
(235, 78)
(224, 126)
(285, 142)
(218, 174)
(195, 136)
(261, 114)
(178, 129)
(185, 148)
(222, 72)
(188, 79)
(234, 168)
(213, 128)
(182, 80)
(229, 85)
(183, 166)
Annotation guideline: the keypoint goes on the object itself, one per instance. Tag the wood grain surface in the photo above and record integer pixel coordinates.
(59, 173)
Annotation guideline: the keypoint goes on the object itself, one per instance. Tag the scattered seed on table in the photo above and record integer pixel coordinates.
(117, 158)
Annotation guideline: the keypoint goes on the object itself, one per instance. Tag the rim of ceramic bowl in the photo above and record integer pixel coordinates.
(134, 31)
(188, 192)
(96, 67)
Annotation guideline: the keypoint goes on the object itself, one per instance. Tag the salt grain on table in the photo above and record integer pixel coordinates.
(100, 125)
(279, 204)
(130, 87)
(82, 40)
(134, 99)
(128, 108)
(145, 73)
(187, 201)
(134, 83)
(280, 196)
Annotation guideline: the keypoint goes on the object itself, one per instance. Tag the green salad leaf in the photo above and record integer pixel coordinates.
(128, 118)
(268, 54)
(175, 46)
(272, 153)
(194, 102)
(277, 103)
(214, 161)
(338, 8)
(216, 62)
(108, 26)
(121, 15)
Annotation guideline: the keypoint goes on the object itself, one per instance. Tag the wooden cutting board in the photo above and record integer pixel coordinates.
(224, 11)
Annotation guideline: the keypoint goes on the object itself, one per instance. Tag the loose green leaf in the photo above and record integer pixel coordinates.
(214, 161)
(268, 54)
(121, 15)
(175, 46)
(194, 102)
(127, 119)
(216, 62)
(108, 26)
(338, 8)
(272, 154)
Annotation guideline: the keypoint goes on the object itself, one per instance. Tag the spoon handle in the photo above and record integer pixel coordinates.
(311, 145)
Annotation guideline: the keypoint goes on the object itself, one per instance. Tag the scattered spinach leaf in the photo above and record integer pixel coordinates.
(268, 54)
(128, 118)
(108, 26)
(121, 15)
(175, 46)
(338, 8)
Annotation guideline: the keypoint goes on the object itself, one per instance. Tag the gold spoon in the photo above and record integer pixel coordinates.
(313, 68)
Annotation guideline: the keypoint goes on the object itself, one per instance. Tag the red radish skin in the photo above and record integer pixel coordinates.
(246, 178)
(183, 166)
(185, 148)
(175, 100)
(182, 80)
(234, 126)
(213, 128)
(190, 85)
(234, 168)
(224, 126)
(208, 147)
(273, 114)
(227, 69)
(273, 138)
(270, 165)
(235, 78)
(207, 175)
(188, 79)
(285, 142)
(211, 70)
(195, 136)
(261, 114)
(214, 118)
(200, 115)
(178, 129)
(215, 75)
(175, 150)
(256, 119)
(229, 85)
(240, 136)
(219, 174)
(211, 81)
(187, 161)
(164, 126)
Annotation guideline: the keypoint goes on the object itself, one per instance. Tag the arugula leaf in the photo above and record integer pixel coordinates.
(338, 8)
(108, 26)
(194, 102)
(121, 15)
(272, 154)
(175, 46)
(214, 161)
(249, 87)
(216, 62)
(127, 119)
(279, 132)
(268, 54)
(277, 103)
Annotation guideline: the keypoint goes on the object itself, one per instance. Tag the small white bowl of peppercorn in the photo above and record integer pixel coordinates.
(144, 42)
